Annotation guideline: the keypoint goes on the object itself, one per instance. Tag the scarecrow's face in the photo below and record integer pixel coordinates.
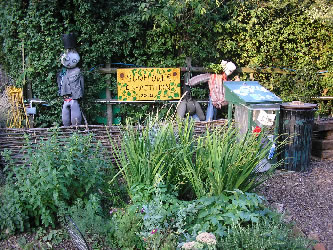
(70, 59)
(230, 67)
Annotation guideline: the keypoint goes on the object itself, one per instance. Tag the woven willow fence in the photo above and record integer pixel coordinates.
(14, 139)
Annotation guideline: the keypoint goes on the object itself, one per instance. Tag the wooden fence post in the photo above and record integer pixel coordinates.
(108, 98)
(27, 84)
(188, 70)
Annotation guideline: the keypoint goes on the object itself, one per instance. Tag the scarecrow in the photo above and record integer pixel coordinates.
(216, 89)
(189, 106)
(70, 82)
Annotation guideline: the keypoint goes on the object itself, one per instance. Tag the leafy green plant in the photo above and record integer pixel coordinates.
(48, 238)
(164, 214)
(217, 213)
(216, 162)
(54, 237)
(302, 86)
(125, 227)
(217, 68)
(159, 219)
(24, 245)
(90, 219)
(55, 173)
(12, 212)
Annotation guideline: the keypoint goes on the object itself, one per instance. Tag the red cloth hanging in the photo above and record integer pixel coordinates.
(216, 90)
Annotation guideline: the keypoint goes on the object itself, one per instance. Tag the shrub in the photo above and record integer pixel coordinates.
(90, 219)
(165, 216)
(125, 227)
(237, 220)
(56, 173)
(267, 234)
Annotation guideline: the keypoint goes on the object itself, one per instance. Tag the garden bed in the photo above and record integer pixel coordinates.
(304, 198)
(159, 213)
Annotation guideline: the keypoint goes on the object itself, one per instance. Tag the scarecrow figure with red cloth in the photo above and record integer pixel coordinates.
(70, 82)
(216, 89)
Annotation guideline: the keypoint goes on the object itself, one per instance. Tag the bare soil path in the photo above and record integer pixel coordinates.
(306, 199)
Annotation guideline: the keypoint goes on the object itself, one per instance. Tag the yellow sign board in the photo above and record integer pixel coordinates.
(148, 84)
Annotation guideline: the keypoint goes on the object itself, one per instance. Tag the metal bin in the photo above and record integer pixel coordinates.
(296, 125)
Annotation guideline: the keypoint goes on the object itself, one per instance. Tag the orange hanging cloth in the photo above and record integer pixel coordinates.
(216, 90)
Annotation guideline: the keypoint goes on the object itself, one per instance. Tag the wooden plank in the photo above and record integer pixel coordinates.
(109, 114)
(187, 75)
(322, 144)
(329, 135)
(108, 70)
(323, 135)
(323, 126)
(323, 98)
(115, 101)
(141, 84)
(323, 154)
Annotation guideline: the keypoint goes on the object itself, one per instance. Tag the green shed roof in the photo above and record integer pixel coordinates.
(248, 92)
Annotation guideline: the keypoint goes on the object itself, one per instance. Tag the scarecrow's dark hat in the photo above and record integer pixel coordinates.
(69, 40)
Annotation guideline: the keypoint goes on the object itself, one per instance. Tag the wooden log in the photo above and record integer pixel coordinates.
(109, 114)
(329, 135)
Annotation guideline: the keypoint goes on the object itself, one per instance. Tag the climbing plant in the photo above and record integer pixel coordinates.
(290, 34)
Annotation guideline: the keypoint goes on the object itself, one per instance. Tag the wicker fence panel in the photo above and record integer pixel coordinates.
(14, 139)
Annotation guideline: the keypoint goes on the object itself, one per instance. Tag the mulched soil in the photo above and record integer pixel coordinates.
(305, 199)
(15, 242)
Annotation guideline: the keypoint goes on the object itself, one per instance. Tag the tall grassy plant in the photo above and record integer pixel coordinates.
(153, 153)
(224, 161)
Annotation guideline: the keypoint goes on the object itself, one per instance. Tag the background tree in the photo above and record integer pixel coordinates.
(256, 33)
